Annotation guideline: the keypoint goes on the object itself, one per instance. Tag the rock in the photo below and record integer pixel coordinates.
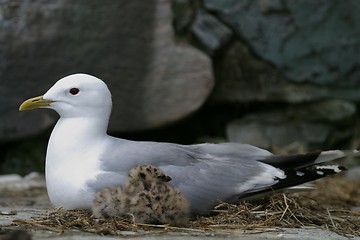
(183, 14)
(353, 174)
(129, 44)
(271, 50)
(9, 178)
(298, 37)
(15, 235)
(212, 35)
(23, 157)
(14, 182)
(324, 125)
(242, 77)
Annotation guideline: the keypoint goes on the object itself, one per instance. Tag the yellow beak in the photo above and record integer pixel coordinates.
(35, 102)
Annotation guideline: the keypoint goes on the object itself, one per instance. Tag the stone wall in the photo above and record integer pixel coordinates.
(273, 73)
(128, 44)
(294, 64)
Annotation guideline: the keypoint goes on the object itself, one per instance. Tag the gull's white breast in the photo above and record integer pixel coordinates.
(72, 160)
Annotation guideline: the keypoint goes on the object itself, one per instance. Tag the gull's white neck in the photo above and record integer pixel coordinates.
(74, 134)
(72, 159)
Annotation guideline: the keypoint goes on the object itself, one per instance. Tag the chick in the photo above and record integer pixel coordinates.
(146, 195)
(107, 202)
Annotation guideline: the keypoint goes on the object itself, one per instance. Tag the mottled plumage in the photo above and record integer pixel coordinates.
(146, 195)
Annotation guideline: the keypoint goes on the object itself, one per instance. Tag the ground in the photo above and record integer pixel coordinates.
(332, 211)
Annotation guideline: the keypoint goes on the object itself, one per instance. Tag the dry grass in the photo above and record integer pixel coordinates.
(331, 206)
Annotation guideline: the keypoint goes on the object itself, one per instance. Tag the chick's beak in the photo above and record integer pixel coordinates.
(35, 102)
(167, 179)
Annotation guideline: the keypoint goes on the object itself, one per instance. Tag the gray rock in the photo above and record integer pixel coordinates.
(241, 77)
(211, 34)
(313, 126)
(183, 14)
(129, 44)
(299, 37)
(14, 182)
(353, 173)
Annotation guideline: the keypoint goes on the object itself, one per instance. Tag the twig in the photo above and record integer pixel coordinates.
(286, 208)
(30, 222)
(332, 222)
(168, 227)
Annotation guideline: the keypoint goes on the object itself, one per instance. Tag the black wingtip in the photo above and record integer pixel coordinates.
(306, 174)
(292, 161)
(296, 177)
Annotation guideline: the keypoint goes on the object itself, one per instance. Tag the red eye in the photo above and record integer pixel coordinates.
(74, 91)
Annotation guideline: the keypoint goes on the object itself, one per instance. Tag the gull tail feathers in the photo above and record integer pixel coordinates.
(307, 174)
(296, 180)
(328, 156)
(301, 169)
(298, 161)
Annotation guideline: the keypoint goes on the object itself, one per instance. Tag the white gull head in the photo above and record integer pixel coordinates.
(76, 142)
(80, 95)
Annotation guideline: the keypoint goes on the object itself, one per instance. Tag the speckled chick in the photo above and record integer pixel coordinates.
(146, 195)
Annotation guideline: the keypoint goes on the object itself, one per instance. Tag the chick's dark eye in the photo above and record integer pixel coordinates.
(74, 91)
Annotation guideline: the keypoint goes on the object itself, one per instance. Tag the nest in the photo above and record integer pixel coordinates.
(332, 206)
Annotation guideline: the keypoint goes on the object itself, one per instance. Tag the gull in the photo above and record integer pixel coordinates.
(147, 196)
(82, 158)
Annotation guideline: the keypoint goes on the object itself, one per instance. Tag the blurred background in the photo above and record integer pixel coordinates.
(281, 75)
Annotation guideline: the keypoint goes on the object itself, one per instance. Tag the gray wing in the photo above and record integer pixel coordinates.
(205, 173)
(212, 180)
(209, 173)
